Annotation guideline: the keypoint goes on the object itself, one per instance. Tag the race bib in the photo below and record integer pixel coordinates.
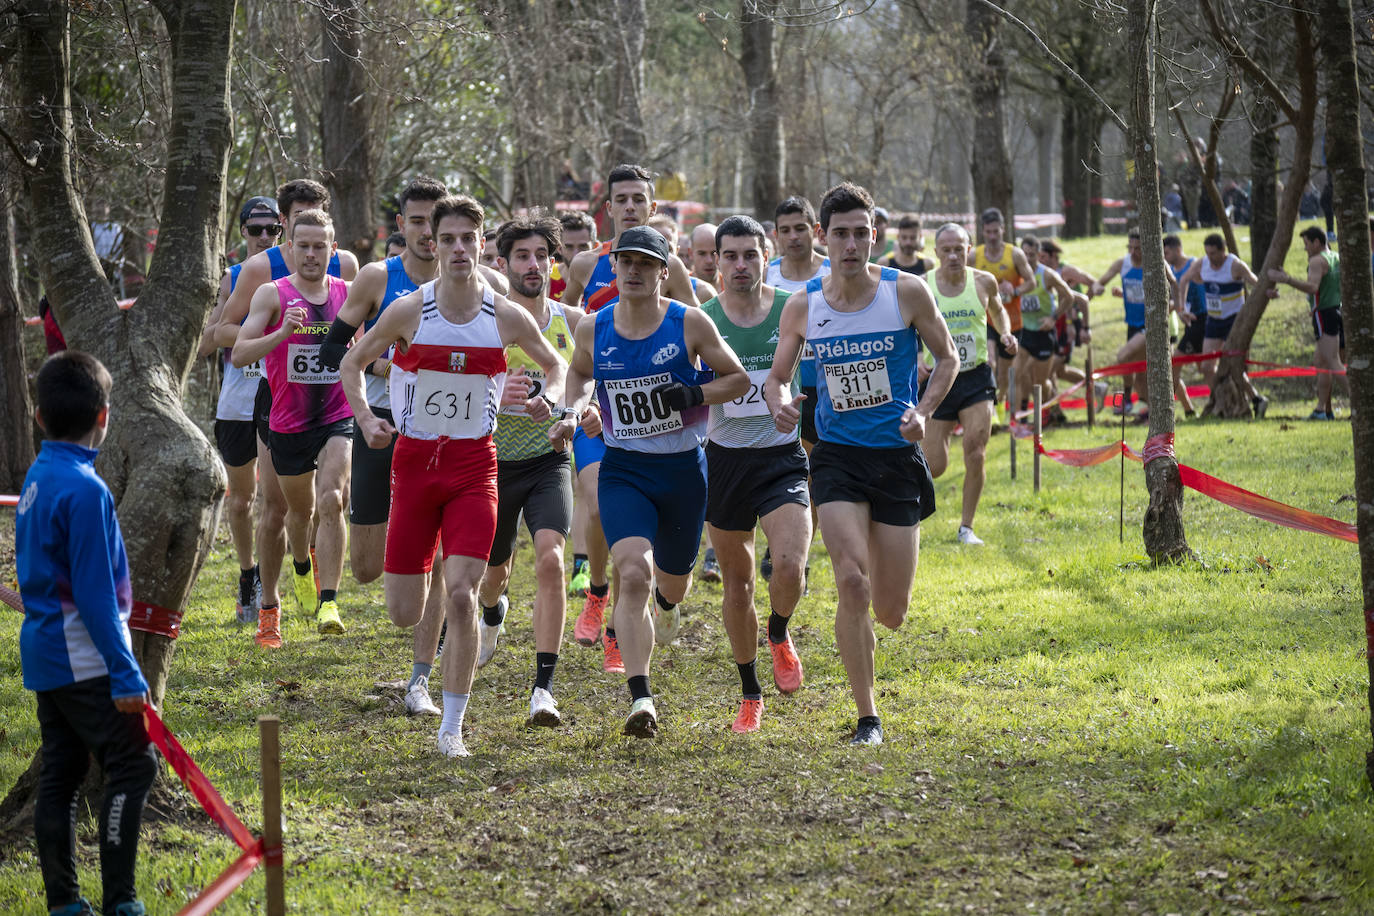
(303, 366)
(863, 383)
(451, 404)
(639, 414)
(1135, 290)
(1030, 302)
(751, 404)
(536, 377)
(1213, 302)
(252, 370)
(966, 345)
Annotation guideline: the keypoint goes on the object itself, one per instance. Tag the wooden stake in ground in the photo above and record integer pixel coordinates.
(1121, 509)
(268, 727)
(1011, 418)
(1035, 453)
(1091, 386)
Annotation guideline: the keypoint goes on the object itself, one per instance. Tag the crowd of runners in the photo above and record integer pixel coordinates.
(635, 395)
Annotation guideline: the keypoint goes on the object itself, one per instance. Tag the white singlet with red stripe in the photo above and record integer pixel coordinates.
(447, 384)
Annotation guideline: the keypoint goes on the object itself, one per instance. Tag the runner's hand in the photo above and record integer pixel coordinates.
(376, 431)
(561, 433)
(538, 409)
(1010, 344)
(1116, 291)
(1047, 324)
(789, 415)
(1006, 290)
(591, 421)
(1187, 317)
(516, 392)
(292, 320)
(131, 704)
(913, 425)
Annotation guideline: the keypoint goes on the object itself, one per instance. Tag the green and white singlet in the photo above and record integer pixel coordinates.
(745, 422)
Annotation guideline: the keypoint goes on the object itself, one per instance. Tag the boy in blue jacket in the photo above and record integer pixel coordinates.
(74, 644)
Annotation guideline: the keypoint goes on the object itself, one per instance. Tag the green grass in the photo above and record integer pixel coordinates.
(1069, 730)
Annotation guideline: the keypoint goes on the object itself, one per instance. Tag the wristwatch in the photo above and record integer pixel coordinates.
(569, 413)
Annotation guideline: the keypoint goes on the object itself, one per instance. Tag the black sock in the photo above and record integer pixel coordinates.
(302, 569)
(663, 602)
(544, 664)
(247, 578)
(639, 687)
(579, 559)
(600, 591)
(493, 616)
(749, 680)
(327, 594)
(869, 720)
(269, 607)
(610, 632)
(777, 627)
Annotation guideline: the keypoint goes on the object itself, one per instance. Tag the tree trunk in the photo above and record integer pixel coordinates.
(988, 161)
(758, 59)
(1080, 126)
(16, 447)
(1345, 158)
(1264, 146)
(1163, 528)
(1229, 397)
(628, 143)
(167, 481)
(346, 147)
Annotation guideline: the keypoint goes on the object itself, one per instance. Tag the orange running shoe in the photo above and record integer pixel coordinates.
(787, 668)
(269, 628)
(750, 716)
(612, 663)
(587, 629)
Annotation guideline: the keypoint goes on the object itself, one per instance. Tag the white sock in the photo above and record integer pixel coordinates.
(455, 705)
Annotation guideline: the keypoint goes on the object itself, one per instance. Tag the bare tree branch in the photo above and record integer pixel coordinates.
(1228, 42)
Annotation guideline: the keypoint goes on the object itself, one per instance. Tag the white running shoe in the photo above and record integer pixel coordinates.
(488, 636)
(643, 719)
(543, 710)
(451, 745)
(968, 538)
(419, 703)
(667, 625)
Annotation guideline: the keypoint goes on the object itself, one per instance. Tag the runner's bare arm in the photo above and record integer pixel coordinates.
(255, 271)
(494, 279)
(1316, 269)
(705, 292)
(364, 299)
(348, 265)
(396, 326)
(679, 283)
(579, 272)
(252, 344)
(1023, 267)
(791, 337)
(578, 387)
(207, 337)
(919, 309)
(1192, 275)
(1241, 272)
(985, 284)
(705, 343)
(518, 329)
(1101, 282)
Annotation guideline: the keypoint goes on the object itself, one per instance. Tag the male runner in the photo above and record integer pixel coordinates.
(1323, 288)
(1131, 267)
(1013, 272)
(882, 245)
(533, 478)
(667, 225)
(965, 296)
(293, 198)
(260, 225)
(446, 381)
(907, 255)
(1067, 338)
(1190, 341)
(642, 356)
(867, 471)
(309, 422)
(704, 260)
(756, 474)
(1224, 278)
(1041, 310)
(579, 235)
(378, 285)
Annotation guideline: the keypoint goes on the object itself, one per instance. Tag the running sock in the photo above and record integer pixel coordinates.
(327, 594)
(419, 672)
(663, 602)
(870, 720)
(579, 560)
(247, 577)
(455, 705)
(302, 568)
(600, 591)
(610, 632)
(544, 665)
(777, 627)
(493, 616)
(639, 687)
(749, 680)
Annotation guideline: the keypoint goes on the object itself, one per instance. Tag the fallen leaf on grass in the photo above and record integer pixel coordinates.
(289, 685)
(1080, 862)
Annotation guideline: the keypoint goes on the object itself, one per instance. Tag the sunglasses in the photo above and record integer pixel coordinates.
(273, 230)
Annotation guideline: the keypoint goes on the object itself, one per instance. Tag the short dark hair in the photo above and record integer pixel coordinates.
(735, 226)
(313, 217)
(1051, 246)
(491, 234)
(302, 190)
(456, 205)
(395, 238)
(991, 215)
(1030, 241)
(909, 221)
(522, 227)
(573, 220)
(796, 204)
(1172, 241)
(627, 172)
(73, 387)
(1313, 234)
(1215, 240)
(420, 189)
(843, 198)
(1133, 234)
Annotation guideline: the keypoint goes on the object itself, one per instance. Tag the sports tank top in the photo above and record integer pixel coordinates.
(806, 376)
(745, 422)
(306, 394)
(1039, 303)
(1197, 296)
(865, 362)
(919, 268)
(627, 372)
(517, 435)
(1004, 269)
(601, 290)
(966, 317)
(450, 377)
(1329, 289)
(398, 284)
(1225, 295)
(1133, 293)
(237, 387)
